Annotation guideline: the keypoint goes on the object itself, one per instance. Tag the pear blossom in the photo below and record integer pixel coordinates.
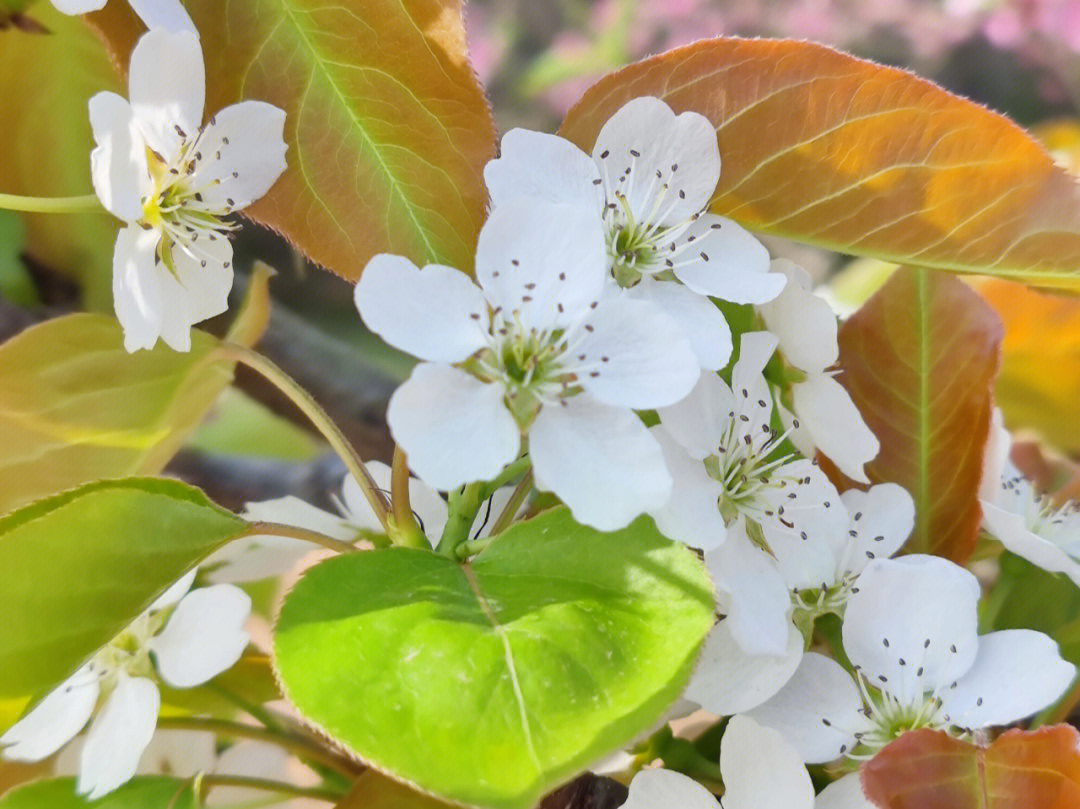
(805, 326)
(173, 181)
(910, 631)
(184, 638)
(1025, 521)
(649, 179)
(167, 14)
(727, 460)
(532, 349)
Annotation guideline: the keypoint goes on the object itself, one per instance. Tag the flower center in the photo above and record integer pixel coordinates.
(891, 718)
(745, 467)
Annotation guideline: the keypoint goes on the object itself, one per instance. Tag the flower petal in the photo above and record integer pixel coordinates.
(136, 291)
(428, 506)
(437, 314)
(845, 792)
(454, 428)
(200, 289)
(167, 88)
(819, 710)
(699, 420)
(836, 426)
(910, 624)
(168, 14)
(691, 515)
(248, 759)
(717, 257)
(1016, 673)
(703, 323)
(547, 262)
(660, 789)
(666, 165)
(804, 322)
(257, 558)
(1011, 531)
(632, 353)
(54, 721)
(802, 504)
(881, 521)
(599, 460)
(118, 163)
(543, 166)
(995, 459)
(78, 6)
(761, 769)
(204, 637)
(728, 680)
(177, 591)
(243, 154)
(294, 511)
(119, 736)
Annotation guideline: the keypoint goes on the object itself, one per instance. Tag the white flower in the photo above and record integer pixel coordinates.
(186, 638)
(1026, 522)
(725, 459)
(910, 633)
(649, 179)
(666, 789)
(167, 14)
(805, 325)
(172, 180)
(532, 350)
(259, 557)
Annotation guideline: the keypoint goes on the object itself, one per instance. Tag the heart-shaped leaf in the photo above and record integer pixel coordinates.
(492, 682)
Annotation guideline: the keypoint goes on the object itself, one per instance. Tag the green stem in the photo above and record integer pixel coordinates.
(471, 547)
(298, 745)
(267, 717)
(295, 532)
(248, 782)
(318, 417)
(513, 505)
(463, 507)
(83, 204)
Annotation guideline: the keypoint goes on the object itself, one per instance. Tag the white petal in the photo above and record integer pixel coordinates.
(703, 323)
(252, 760)
(177, 591)
(437, 314)
(755, 350)
(825, 409)
(728, 680)
(294, 511)
(818, 710)
(200, 289)
(119, 736)
(428, 506)
(136, 289)
(543, 166)
(910, 624)
(1011, 530)
(243, 154)
(167, 88)
(546, 261)
(761, 769)
(204, 637)
(759, 604)
(682, 148)
(78, 6)
(844, 793)
(803, 505)
(599, 460)
(691, 515)
(118, 163)
(168, 14)
(667, 789)
(255, 559)
(182, 753)
(632, 353)
(805, 564)
(1016, 673)
(699, 421)
(454, 428)
(881, 522)
(804, 322)
(995, 459)
(718, 257)
(54, 721)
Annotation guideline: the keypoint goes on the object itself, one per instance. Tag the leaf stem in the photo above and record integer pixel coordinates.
(257, 712)
(249, 782)
(464, 504)
(318, 417)
(82, 204)
(404, 529)
(471, 547)
(513, 505)
(295, 532)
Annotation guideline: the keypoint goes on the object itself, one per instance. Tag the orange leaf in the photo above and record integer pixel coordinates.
(926, 769)
(831, 150)
(919, 360)
(388, 127)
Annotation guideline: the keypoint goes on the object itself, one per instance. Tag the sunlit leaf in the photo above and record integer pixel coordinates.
(827, 149)
(919, 360)
(927, 769)
(144, 792)
(491, 683)
(388, 127)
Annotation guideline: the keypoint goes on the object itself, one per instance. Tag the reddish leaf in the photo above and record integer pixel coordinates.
(926, 769)
(919, 360)
(824, 148)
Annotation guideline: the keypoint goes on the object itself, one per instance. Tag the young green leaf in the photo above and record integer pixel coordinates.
(821, 147)
(492, 682)
(145, 792)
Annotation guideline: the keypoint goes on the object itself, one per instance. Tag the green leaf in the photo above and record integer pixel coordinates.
(144, 792)
(16, 285)
(1027, 597)
(76, 568)
(490, 683)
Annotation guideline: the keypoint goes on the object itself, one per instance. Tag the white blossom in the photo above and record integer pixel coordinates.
(910, 632)
(184, 638)
(169, 15)
(649, 179)
(172, 181)
(532, 349)
(805, 326)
